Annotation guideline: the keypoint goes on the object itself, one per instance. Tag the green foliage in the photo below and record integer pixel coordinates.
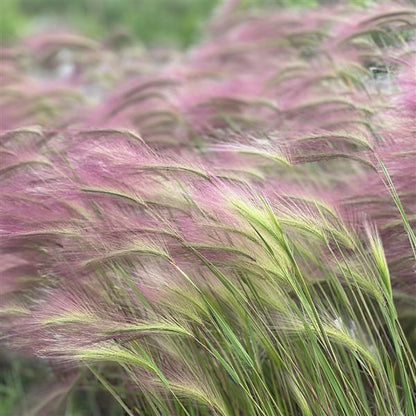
(28, 388)
(151, 21)
(165, 22)
(12, 21)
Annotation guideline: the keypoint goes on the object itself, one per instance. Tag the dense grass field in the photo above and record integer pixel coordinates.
(206, 217)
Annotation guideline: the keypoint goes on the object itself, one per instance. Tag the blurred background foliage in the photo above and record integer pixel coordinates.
(162, 22)
(151, 21)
